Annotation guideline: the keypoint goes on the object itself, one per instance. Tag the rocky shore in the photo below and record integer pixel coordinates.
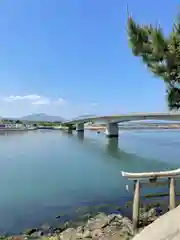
(101, 226)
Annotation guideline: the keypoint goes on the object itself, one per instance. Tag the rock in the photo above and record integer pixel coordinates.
(121, 227)
(96, 234)
(80, 232)
(106, 226)
(45, 227)
(47, 230)
(100, 227)
(152, 215)
(96, 222)
(127, 226)
(66, 224)
(147, 217)
(37, 234)
(58, 230)
(30, 231)
(55, 237)
(80, 229)
(101, 221)
(16, 238)
(86, 234)
(69, 234)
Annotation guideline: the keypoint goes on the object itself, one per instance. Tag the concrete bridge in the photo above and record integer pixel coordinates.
(113, 120)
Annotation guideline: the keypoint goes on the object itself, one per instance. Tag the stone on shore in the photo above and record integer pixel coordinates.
(147, 217)
(102, 227)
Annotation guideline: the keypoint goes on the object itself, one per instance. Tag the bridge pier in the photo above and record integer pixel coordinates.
(112, 146)
(80, 127)
(80, 135)
(70, 129)
(112, 130)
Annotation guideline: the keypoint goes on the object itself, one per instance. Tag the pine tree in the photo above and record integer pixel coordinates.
(160, 54)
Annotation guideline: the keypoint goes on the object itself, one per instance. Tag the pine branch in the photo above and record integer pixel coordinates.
(160, 54)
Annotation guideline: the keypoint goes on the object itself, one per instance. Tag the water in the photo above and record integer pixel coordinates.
(47, 173)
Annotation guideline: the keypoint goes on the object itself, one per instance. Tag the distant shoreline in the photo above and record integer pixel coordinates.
(100, 128)
(17, 129)
(96, 128)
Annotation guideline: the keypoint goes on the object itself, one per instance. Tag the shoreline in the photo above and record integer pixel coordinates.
(94, 128)
(92, 223)
(99, 226)
(17, 129)
(101, 128)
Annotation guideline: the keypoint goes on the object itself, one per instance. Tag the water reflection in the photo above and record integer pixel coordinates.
(80, 135)
(70, 131)
(112, 146)
(9, 133)
(3, 133)
(129, 160)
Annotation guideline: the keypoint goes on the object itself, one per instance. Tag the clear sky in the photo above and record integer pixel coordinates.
(71, 57)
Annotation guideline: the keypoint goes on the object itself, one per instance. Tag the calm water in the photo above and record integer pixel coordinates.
(47, 173)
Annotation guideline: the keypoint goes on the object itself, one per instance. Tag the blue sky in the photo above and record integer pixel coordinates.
(71, 57)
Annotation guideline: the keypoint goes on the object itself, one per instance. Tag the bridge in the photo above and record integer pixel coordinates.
(113, 120)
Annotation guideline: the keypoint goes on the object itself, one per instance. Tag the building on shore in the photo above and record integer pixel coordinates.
(10, 126)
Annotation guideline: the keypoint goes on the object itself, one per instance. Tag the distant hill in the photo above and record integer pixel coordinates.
(42, 117)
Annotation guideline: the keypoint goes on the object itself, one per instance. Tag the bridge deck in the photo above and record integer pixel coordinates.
(128, 117)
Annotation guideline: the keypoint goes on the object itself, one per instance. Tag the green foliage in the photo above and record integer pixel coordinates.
(19, 122)
(160, 54)
(49, 124)
(7, 121)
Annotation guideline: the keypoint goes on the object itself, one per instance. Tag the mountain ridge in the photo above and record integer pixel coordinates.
(43, 117)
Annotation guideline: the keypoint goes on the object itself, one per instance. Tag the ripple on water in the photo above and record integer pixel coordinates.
(46, 174)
